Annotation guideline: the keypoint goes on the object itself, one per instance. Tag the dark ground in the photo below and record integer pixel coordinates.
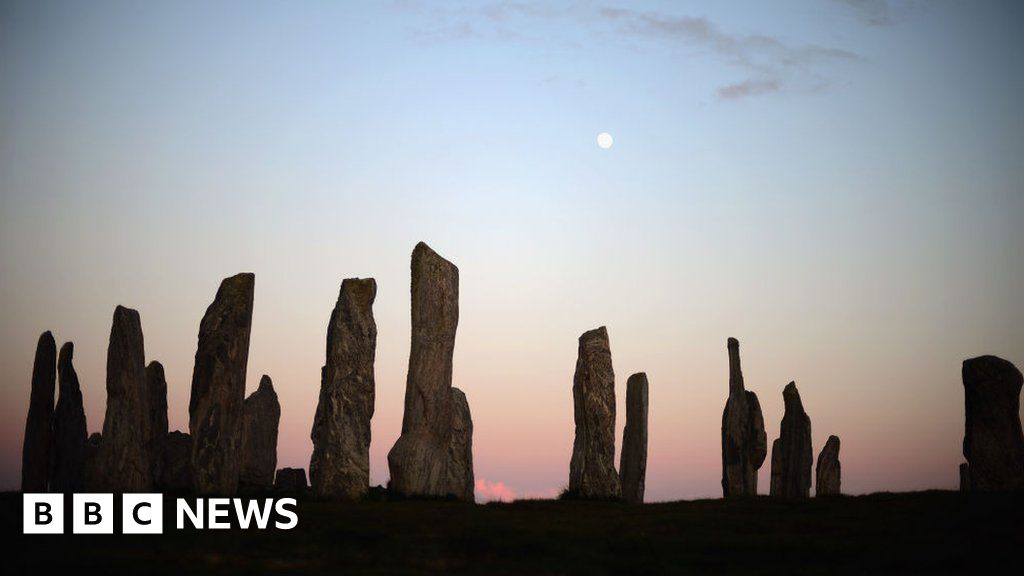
(925, 533)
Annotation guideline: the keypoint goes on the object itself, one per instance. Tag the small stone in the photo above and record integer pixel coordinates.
(792, 453)
(828, 470)
(259, 440)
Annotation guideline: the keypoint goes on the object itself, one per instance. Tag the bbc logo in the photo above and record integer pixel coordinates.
(92, 514)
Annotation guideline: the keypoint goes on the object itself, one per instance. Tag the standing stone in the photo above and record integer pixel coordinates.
(340, 465)
(35, 452)
(419, 459)
(290, 480)
(993, 441)
(216, 412)
(259, 439)
(965, 477)
(70, 432)
(460, 450)
(791, 453)
(828, 469)
(633, 460)
(93, 475)
(592, 468)
(744, 442)
(122, 454)
(176, 467)
(156, 391)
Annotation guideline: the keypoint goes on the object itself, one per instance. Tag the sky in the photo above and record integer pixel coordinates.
(837, 184)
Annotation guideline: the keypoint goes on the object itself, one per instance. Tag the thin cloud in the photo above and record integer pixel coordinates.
(871, 12)
(748, 88)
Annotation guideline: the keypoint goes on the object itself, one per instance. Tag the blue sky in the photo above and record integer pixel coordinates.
(836, 183)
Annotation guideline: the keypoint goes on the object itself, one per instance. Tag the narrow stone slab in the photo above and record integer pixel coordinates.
(592, 468)
(35, 451)
(633, 460)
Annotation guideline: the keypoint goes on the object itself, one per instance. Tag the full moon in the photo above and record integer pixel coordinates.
(604, 140)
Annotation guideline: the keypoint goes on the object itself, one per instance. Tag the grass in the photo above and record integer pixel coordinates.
(922, 533)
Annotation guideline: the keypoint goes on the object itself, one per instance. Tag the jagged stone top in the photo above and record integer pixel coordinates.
(600, 333)
(65, 365)
(791, 398)
(732, 343)
(266, 387)
(985, 368)
(362, 290)
(736, 385)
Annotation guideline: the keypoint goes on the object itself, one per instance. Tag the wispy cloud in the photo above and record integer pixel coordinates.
(767, 63)
(872, 12)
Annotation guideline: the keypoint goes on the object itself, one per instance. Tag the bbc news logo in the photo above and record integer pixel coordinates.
(143, 513)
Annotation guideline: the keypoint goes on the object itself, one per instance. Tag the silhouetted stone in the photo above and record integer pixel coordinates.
(35, 452)
(259, 440)
(156, 392)
(592, 468)
(290, 480)
(93, 475)
(340, 465)
(993, 441)
(126, 464)
(792, 454)
(633, 460)
(744, 442)
(70, 432)
(460, 450)
(216, 412)
(828, 469)
(176, 476)
(965, 477)
(419, 459)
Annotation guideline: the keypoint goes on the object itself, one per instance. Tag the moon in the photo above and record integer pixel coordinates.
(604, 140)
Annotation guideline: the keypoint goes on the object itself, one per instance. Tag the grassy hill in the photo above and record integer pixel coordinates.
(925, 532)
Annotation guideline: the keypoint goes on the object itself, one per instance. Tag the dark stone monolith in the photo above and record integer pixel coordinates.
(419, 459)
(70, 432)
(993, 441)
(828, 469)
(156, 391)
(633, 460)
(460, 449)
(259, 439)
(93, 475)
(126, 465)
(965, 477)
(290, 481)
(176, 468)
(35, 451)
(744, 442)
(592, 468)
(792, 454)
(216, 407)
(340, 465)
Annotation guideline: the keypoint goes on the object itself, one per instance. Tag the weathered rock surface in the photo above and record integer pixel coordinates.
(156, 391)
(828, 469)
(340, 465)
(993, 441)
(460, 449)
(122, 454)
(965, 477)
(792, 454)
(35, 452)
(259, 439)
(419, 459)
(290, 480)
(744, 442)
(176, 468)
(70, 432)
(592, 468)
(633, 460)
(216, 411)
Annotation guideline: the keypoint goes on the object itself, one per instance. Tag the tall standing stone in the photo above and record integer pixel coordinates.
(35, 452)
(828, 469)
(419, 459)
(744, 442)
(993, 441)
(156, 392)
(216, 412)
(340, 465)
(460, 449)
(125, 464)
(633, 460)
(70, 432)
(259, 439)
(592, 468)
(792, 455)
(176, 470)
